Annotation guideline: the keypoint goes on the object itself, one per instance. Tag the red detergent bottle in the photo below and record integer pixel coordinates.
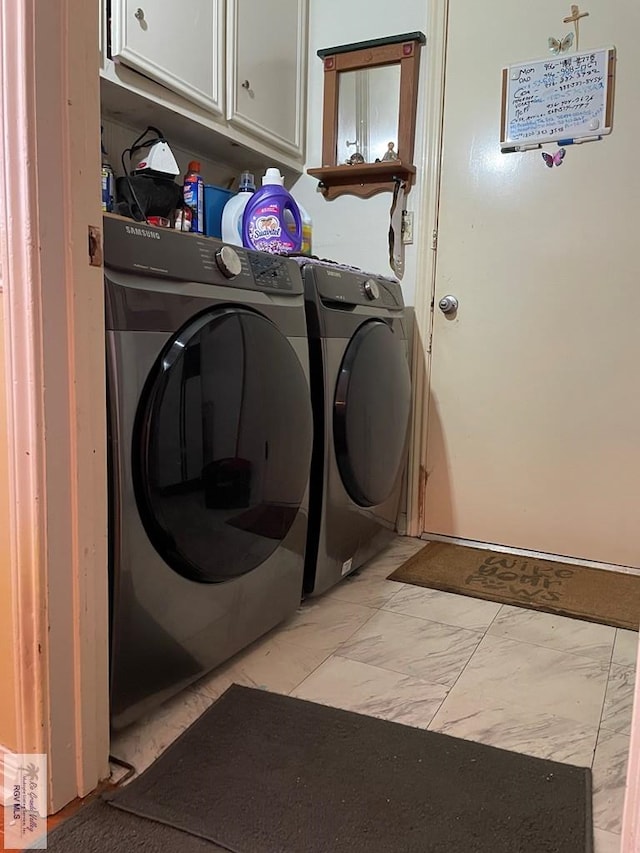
(264, 224)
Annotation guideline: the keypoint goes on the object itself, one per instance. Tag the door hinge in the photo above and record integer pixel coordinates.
(434, 239)
(95, 246)
(430, 342)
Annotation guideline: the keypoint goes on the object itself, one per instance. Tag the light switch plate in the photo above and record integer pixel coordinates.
(407, 226)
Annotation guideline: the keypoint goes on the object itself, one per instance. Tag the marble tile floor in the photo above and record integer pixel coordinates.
(531, 682)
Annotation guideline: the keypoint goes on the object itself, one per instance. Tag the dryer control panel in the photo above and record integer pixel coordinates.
(349, 288)
(162, 253)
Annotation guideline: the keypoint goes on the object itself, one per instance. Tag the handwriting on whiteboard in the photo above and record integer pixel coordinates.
(563, 95)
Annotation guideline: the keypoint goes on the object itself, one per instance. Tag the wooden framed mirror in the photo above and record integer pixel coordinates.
(369, 115)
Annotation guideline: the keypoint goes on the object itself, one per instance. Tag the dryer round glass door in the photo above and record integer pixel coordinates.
(371, 413)
(222, 445)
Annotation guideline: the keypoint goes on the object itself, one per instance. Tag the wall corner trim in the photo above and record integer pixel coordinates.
(53, 324)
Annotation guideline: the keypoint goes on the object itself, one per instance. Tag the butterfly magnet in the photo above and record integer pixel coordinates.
(554, 159)
(560, 45)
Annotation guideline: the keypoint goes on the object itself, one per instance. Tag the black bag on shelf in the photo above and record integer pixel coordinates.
(141, 196)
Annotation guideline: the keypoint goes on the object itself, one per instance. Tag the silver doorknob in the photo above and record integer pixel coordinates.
(448, 304)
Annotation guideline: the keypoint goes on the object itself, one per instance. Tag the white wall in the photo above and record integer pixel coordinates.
(350, 229)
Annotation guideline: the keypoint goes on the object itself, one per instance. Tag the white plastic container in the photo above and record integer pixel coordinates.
(233, 210)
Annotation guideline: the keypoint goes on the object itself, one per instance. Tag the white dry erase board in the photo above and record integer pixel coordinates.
(559, 99)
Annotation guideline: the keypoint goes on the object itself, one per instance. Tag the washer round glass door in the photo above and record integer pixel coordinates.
(222, 445)
(371, 412)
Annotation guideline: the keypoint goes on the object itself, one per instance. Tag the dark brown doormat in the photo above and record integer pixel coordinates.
(263, 773)
(596, 595)
(98, 828)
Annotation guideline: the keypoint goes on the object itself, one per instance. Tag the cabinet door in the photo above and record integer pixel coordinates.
(178, 45)
(267, 44)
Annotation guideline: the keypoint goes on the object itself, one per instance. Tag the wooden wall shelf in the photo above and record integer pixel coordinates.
(363, 179)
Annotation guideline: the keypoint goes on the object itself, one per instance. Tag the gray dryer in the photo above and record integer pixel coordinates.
(361, 395)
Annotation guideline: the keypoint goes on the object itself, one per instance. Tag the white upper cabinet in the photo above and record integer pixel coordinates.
(266, 70)
(180, 45)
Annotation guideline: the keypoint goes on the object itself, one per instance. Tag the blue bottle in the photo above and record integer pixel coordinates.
(108, 180)
(264, 223)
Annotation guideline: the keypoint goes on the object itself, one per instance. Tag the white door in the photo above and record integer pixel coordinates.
(180, 45)
(266, 70)
(534, 417)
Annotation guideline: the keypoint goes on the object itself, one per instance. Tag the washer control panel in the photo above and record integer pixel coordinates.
(270, 271)
(163, 253)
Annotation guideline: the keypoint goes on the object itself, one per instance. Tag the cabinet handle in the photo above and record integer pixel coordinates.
(246, 85)
(139, 14)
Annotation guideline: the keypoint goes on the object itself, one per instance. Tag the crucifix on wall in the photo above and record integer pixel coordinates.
(574, 18)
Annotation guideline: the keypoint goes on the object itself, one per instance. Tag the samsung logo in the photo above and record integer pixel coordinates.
(141, 232)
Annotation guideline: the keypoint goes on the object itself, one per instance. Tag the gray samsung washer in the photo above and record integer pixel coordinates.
(210, 437)
(361, 395)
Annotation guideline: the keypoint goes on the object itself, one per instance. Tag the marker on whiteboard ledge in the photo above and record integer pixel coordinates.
(579, 140)
(513, 148)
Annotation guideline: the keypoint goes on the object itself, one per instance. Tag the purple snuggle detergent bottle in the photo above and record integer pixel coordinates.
(264, 225)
